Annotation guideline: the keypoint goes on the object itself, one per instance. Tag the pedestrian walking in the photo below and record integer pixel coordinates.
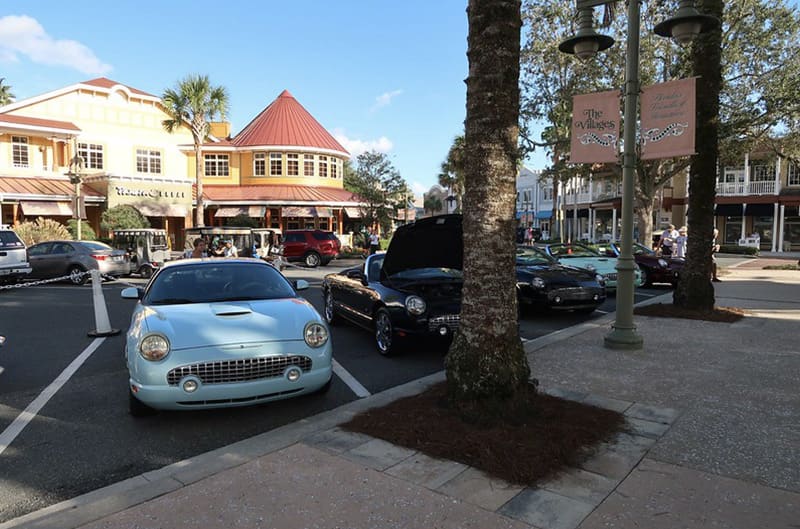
(374, 242)
(680, 242)
(714, 251)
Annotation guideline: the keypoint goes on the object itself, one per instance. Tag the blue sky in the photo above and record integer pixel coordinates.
(376, 74)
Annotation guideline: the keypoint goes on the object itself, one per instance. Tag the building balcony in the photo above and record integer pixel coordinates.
(729, 189)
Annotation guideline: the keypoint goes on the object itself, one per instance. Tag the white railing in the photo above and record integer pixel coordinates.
(741, 188)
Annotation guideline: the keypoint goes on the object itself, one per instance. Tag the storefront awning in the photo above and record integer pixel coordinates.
(46, 208)
(255, 212)
(544, 214)
(353, 213)
(295, 211)
(728, 210)
(161, 210)
(760, 210)
(322, 212)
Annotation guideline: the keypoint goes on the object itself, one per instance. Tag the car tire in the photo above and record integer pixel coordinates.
(312, 259)
(76, 278)
(646, 280)
(385, 339)
(146, 272)
(138, 408)
(329, 310)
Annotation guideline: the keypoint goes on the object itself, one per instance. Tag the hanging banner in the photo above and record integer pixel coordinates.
(668, 119)
(595, 128)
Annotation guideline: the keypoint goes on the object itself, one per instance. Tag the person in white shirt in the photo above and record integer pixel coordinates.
(374, 242)
(680, 243)
(667, 240)
(230, 250)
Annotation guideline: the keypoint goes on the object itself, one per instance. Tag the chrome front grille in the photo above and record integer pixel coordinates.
(450, 321)
(241, 370)
(571, 293)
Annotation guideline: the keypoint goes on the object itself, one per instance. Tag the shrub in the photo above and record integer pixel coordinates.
(123, 217)
(243, 221)
(41, 230)
(87, 232)
(736, 249)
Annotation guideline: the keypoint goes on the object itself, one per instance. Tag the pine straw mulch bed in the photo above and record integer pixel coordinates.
(554, 434)
(667, 310)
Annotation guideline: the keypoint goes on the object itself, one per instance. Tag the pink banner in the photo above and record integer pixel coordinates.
(595, 128)
(668, 119)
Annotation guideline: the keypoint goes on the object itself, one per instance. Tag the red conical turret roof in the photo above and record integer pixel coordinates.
(286, 123)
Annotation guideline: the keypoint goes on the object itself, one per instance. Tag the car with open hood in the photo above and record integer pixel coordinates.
(579, 255)
(213, 333)
(413, 289)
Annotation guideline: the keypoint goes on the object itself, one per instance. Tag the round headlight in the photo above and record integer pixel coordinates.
(600, 279)
(415, 305)
(315, 334)
(662, 263)
(537, 282)
(154, 347)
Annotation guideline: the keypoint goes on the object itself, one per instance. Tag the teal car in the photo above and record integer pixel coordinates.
(579, 255)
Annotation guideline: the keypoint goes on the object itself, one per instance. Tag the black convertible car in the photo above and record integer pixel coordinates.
(412, 289)
(543, 283)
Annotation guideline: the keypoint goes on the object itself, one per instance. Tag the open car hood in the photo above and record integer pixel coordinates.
(431, 242)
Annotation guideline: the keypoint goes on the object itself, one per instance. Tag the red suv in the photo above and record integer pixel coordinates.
(313, 247)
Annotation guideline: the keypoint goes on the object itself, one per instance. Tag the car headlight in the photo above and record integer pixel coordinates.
(537, 282)
(315, 334)
(415, 305)
(154, 347)
(600, 279)
(662, 263)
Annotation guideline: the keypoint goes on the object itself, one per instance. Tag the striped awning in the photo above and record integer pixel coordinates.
(353, 213)
(46, 208)
(255, 212)
(306, 212)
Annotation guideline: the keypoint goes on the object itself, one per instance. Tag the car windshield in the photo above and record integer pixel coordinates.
(529, 256)
(641, 249)
(215, 281)
(94, 245)
(571, 250)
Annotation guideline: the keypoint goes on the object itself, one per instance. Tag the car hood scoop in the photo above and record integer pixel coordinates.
(226, 309)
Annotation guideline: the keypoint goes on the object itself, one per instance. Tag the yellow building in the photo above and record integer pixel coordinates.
(128, 157)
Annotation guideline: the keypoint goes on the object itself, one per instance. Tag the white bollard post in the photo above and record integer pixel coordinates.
(101, 321)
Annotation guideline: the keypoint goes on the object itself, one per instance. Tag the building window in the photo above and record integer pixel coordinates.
(547, 193)
(92, 154)
(20, 151)
(334, 168)
(794, 174)
(148, 161)
(733, 230)
(762, 173)
(308, 165)
(275, 164)
(216, 165)
(292, 164)
(259, 164)
(323, 166)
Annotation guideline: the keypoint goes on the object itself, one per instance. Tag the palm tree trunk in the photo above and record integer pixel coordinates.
(198, 175)
(695, 289)
(486, 365)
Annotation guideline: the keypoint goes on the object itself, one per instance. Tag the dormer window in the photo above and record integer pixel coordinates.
(292, 164)
(260, 164)
(323, 166)
(275, 164)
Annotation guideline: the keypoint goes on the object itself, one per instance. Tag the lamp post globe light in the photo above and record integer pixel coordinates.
(683, 27)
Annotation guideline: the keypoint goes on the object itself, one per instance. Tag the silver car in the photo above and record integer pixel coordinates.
(13, 261)
(73, 258)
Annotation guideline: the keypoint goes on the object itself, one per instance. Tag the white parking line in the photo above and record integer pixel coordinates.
(350, 380)
(647, 295)
(22, 420)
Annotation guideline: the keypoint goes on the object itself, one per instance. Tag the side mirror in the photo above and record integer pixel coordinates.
(132, 293)
(2, 340)
(300, 284)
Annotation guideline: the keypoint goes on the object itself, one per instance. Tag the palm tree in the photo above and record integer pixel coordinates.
(487, 372)
(452, 173)
(432, 204)
(6, 96)
(195, 102)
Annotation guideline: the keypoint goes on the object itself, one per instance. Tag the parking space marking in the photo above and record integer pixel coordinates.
(648, 295)
(22, 420)
(360, 391)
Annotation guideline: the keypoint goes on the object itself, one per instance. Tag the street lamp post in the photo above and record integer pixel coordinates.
(684, 26)
(74, 174)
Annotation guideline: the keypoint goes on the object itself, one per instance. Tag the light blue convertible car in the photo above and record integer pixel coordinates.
(212, 333)
(581, 256)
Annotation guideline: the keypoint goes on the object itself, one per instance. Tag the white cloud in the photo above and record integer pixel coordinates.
(384, 99)
(356, 147)
(23, 35)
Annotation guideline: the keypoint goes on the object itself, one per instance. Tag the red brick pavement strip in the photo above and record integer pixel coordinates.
(759, 264)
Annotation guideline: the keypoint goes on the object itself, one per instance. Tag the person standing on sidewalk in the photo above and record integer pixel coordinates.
(714, 251)
(374, 242)
(680, 243)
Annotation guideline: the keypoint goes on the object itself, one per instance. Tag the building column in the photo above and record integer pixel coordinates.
(778, 175)
(15, 215)
(613, 224)
(774, 226)
(782, 217)
(744, 220)
(746, 189)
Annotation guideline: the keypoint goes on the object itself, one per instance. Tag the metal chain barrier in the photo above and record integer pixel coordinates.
(120, 281)
(71, 277)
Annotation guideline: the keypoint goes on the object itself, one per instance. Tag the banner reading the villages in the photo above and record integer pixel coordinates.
(668, 119)
(595, 128)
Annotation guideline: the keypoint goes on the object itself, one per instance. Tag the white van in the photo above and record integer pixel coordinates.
(14, 264)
